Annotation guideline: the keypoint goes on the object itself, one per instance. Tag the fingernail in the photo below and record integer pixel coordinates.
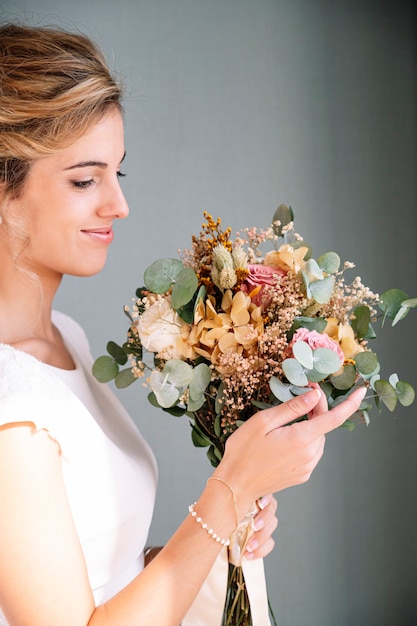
(252, 546)
(362, 392)
(263, 502)
(311, 395)
(258, 523)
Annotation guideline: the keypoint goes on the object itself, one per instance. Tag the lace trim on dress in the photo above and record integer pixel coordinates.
(29, 391)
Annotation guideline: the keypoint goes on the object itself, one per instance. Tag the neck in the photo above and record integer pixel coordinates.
(25, 304)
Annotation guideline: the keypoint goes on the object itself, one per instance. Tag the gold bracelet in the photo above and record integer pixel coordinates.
(204, 526)
(220, 480)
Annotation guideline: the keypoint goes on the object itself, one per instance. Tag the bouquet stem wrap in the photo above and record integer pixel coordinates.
(234, 590)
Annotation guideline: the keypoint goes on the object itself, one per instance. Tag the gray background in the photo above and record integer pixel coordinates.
(234, 106)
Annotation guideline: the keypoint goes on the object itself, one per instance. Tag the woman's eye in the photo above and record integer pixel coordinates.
(83, 184)
(120, 174)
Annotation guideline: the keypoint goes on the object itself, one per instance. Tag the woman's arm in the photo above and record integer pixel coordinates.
(43, 576)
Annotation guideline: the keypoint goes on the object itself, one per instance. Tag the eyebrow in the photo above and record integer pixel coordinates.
(91, 164)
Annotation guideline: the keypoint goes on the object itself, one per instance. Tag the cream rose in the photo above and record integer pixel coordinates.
(161, 330)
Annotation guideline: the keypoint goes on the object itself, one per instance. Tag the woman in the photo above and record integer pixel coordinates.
(77, 481)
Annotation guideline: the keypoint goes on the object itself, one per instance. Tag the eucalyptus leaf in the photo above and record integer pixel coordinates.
(105, 369)
(326, 361)
(393, 379)
(322, 290)
(329, 262)
(299, 391)
(198, 438)
(311, 323)
(162, 274)
(184, 287)
(176, 411)
(390, 302)
(284, 215)
(280, 390)
(346, 379)
(125, 378)
(153, 401)
(386, 394)
(166, 393)
(200, 381)
(219, 402)
(179, 373)
(405, 392)
(361, 320)
(217, 426)
(117, 352)
(261, 405)
(194, 405)
(366, 362)
(303, 353)
(294, 372)
(410, 303)
(401, 314)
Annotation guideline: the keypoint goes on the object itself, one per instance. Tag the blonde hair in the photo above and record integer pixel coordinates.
(53, 86)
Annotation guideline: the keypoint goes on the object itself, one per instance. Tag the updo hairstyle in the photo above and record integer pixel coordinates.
(53, 86)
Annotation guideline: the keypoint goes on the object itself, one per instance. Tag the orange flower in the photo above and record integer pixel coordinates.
(287, 258)
(236, 329)
(345, 336)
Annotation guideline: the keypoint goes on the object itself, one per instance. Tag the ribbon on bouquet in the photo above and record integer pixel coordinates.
(207, 608)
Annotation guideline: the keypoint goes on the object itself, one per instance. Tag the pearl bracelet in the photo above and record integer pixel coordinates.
(204, 526)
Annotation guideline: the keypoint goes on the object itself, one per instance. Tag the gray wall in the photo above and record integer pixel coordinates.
(235, 106)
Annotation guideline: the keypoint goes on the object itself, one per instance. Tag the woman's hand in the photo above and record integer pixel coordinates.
(272, 451)
(265, 523)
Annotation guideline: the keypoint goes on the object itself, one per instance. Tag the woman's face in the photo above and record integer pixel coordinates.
(70, 200)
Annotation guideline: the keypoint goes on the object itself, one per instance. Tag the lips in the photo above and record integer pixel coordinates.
(103, 234)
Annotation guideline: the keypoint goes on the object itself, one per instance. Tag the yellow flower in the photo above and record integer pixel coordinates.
(287, 258)
(345, 336)
(235, 329)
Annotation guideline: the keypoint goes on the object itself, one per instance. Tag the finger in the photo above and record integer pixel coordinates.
(321, 406)
(330, 420)
(289, 411)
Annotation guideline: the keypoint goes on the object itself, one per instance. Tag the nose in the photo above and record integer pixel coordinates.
(114, 203)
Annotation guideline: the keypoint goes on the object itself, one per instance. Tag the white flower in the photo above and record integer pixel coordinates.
(162, 331)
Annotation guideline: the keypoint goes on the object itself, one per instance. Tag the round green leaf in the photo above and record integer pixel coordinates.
(329, 262)
(198, 438)
(366, 362)
(117, 352)
(280, 390)
(125, 378)
(405, 392)
(391, 300)
(410, 303)
(346, 379)
(303, 353)
(360, 321)
(200, 381)
(105, 369)
(162, 274)
(178, 372)
(284, 215)
(386, 393)
(322, 290)
(166, 394)
(312, 323)
(184, 287)
(294, 372)
(326, 361)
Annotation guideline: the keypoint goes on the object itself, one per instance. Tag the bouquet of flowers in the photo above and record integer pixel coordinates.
(239, 325)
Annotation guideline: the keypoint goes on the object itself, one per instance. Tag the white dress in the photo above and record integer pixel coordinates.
(109, 470)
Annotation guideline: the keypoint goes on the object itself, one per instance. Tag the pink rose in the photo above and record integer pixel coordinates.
(317, 340)
(260, 276)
